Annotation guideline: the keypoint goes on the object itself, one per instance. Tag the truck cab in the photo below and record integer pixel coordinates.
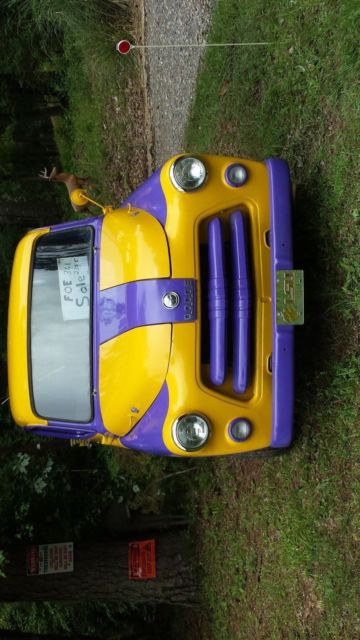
(165, 325)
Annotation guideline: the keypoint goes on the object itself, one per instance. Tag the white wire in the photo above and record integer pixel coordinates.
(203, 44)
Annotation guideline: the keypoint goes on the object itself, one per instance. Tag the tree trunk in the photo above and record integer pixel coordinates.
(101, 573)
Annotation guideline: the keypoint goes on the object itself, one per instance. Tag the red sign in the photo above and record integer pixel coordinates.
(142, 563)
(32, 560)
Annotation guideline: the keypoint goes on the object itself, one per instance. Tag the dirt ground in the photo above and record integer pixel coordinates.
(171, 71)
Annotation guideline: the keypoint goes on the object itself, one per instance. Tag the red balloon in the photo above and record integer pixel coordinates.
(123, 47)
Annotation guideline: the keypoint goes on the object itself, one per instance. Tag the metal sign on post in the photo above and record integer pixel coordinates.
(44, 559)
(142, 562)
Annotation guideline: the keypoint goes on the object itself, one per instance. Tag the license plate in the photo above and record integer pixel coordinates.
(290, 297)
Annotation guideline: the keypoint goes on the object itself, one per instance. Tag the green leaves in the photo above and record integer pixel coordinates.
(2, 562)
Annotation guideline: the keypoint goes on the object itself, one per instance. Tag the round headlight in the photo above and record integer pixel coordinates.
(240, 429)
(190, 432)
(236, 175)
(187, 173)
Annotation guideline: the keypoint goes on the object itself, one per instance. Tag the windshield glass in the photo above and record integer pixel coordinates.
(60, 324)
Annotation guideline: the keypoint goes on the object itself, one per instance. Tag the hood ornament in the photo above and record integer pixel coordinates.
(171, 300)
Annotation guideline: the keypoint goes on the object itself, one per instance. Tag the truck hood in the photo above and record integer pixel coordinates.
(133, 354)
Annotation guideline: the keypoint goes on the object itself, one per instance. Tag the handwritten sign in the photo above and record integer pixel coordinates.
(74, 283)
(50, 558)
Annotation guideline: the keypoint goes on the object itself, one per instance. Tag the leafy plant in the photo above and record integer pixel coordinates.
(2, 562)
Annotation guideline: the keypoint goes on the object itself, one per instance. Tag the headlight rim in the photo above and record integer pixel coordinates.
(175, 436)
(173, 180)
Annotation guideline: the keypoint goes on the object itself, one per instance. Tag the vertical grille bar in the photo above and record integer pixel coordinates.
(217, 303)
(241, 307)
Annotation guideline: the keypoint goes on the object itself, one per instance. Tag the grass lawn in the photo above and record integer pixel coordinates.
(278, 540)
(102, 134)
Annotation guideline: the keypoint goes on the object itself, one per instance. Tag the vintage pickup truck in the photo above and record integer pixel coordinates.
(167, 324)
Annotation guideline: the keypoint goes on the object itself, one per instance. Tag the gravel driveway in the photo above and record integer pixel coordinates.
(172, 72)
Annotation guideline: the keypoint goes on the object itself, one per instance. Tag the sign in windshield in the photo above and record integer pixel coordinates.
(60, 331)
(74, 283)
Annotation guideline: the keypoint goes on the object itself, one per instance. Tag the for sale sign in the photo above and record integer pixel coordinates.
(74, 283)
(142, 565)
(50, 558)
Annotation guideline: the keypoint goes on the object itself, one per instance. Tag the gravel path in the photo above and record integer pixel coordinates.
(172, 72)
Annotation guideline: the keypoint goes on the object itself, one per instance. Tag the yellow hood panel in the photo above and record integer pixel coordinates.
(133, 247)
(133, 368)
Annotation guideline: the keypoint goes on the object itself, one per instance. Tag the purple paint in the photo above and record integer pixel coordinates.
(218, 303)
(150, 197)
(241, 308)
(147, 433)
(283, 335)
(62, 432)
(140, 303)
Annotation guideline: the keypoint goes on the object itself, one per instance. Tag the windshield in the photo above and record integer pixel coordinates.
(60, 324)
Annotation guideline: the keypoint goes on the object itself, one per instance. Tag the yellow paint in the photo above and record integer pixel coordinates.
(189, 386)
(132, 371)
(79, 197)
(134, 365)
(18, 374)
(133, 247)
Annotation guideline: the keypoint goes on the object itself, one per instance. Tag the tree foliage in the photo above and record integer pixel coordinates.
(58, 492)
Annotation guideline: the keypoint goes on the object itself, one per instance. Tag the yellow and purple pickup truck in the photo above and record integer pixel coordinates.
(165, 325)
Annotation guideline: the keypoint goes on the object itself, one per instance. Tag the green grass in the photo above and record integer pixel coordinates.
(278, 540)
(101, 133)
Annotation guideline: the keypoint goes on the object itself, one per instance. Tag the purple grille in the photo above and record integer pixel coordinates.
(235, 284)
(218, 303)
(241, 309)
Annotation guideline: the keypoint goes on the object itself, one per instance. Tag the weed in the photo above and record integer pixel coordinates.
(277, 538)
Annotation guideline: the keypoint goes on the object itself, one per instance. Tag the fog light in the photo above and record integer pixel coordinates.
(240, 429)
(236, 175)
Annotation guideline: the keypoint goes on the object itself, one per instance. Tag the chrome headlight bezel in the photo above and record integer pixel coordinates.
(179, 184)
(179, 439)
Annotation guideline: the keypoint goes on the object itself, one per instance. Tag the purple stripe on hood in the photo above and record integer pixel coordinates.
(140, 303)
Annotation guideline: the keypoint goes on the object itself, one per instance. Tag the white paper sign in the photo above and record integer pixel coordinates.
(74, 283)
(50, 558)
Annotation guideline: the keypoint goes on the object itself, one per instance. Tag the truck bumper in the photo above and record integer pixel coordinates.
(283, 335)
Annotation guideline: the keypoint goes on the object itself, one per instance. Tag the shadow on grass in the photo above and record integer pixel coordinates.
(323, 339)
